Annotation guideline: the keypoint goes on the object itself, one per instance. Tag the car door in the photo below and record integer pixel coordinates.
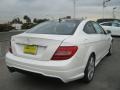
(93, 39)
(116, 28)
(105, 39)
(107, 26)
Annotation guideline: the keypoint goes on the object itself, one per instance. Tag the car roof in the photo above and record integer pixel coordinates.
(107, 20)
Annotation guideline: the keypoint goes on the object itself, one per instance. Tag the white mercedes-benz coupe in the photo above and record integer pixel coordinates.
(64, 49)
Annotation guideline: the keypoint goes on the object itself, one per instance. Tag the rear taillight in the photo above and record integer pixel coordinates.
(10, 48)
(64, 52)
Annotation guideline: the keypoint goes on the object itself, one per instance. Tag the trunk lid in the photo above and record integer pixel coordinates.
(46, 45)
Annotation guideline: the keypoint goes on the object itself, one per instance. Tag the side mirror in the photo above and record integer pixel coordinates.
(108, 31)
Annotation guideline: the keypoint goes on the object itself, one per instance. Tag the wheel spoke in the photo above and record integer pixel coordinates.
(91, 68)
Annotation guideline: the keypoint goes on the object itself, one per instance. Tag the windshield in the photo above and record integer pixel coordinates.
(66, 27)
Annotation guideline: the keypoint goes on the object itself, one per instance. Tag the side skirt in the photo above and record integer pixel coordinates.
(98, 61)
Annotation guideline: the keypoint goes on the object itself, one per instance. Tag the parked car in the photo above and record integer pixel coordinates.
(64, 49)
(111, 24)
(107, 20)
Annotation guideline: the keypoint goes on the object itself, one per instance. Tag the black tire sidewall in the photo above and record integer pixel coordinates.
(86, 78)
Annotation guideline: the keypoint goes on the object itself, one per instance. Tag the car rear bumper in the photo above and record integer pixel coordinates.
(59, 69)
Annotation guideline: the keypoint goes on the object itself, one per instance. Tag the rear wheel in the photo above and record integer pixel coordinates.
(90, 69)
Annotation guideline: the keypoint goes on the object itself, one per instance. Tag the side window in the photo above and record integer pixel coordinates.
(107, 24)
(116, 24)
(116, 21)
(98, 28)
(89, 29)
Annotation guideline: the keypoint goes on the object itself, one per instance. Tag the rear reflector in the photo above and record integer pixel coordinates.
(64, 52)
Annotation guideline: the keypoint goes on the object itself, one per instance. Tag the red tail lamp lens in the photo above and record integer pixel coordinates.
(64, 52)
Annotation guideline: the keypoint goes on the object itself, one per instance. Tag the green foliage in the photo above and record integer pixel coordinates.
(16, 20)
(28, 25)
(5, 27)
(28, 20)
(37, 21)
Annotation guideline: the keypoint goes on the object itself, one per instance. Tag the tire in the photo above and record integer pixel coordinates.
(90, 69)
(110, 51)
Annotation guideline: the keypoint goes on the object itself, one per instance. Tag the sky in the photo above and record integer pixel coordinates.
(53, 9)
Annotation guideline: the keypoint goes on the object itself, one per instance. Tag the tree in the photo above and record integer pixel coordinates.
(5, 27)
(28, 20)
(16, 20)
(34, 20)
(37, 21)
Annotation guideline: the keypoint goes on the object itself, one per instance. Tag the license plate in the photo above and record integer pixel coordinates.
(30, 49)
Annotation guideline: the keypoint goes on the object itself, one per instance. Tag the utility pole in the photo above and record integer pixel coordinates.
(104, 5)
(114, 12)
(74, 11)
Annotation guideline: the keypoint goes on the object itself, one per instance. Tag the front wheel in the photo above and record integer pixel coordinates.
(90, 69)
(110, 51)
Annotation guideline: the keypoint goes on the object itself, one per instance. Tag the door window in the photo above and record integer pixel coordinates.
(98, 28)
(89, 29)
(116, 24)
(106, 24)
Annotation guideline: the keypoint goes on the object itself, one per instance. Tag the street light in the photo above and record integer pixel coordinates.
(114, 12)
(104, 5)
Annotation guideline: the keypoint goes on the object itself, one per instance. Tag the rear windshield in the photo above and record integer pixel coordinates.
(66, 27)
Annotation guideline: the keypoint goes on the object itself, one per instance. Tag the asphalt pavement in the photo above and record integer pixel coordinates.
(107, 77)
